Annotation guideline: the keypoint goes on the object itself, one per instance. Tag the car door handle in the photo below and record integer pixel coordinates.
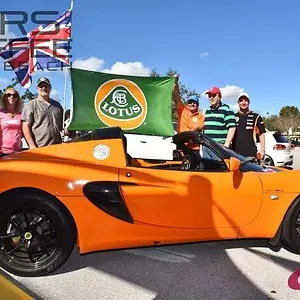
(144, 142)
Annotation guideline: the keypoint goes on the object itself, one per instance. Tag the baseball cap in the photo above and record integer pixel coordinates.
(43, 79)
(194, 98)
(243, 95)
(214, 90)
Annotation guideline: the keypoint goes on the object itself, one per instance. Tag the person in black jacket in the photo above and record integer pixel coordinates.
(249, 127)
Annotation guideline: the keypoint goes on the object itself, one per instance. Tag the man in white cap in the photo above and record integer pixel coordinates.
(249, 125)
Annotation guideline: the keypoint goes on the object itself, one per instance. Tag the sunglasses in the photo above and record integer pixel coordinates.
(192, 102)
(212, 95)
(10, 94)
(43, 85)
(243, 99)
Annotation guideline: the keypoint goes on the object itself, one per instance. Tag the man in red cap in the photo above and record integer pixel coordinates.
(219, 123)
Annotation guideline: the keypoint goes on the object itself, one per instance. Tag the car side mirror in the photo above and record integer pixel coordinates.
(234, 164)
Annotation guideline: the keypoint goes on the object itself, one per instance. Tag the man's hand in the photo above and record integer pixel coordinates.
(176, 93)
(176, 78)
(26, 128)
(262, 153)
(230, 135)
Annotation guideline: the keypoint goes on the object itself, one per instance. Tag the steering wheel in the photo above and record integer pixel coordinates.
(186, 163)
(191, 164)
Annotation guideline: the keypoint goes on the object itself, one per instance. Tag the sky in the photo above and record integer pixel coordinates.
(237, 45)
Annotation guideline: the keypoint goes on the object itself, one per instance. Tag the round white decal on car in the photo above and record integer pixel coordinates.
(101, 152)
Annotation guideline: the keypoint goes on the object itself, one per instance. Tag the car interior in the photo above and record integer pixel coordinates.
(210, 157)
(184, 158)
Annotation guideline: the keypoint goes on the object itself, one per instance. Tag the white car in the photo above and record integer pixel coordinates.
(150, 146)
(278, 150)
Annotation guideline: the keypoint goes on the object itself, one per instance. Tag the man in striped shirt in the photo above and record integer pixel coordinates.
(219, 122)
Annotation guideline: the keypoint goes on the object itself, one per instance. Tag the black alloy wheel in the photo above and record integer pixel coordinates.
(37, 235)
(291, 228)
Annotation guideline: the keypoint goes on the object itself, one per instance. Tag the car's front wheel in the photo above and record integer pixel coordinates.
(291, 228)
(37, 234)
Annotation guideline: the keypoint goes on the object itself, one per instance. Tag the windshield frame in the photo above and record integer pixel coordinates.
(222, 151)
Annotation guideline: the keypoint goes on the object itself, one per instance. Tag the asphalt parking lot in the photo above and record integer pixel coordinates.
(222, 270)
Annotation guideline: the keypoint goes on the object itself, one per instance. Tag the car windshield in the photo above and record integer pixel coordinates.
(248, 166)
(226, 153)
(231, 153)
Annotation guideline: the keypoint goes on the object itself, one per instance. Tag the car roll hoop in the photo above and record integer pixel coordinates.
(187, 136)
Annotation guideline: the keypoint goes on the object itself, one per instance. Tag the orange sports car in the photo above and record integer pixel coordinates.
(91, 193)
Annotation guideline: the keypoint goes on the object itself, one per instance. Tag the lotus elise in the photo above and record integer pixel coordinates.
(90, 193)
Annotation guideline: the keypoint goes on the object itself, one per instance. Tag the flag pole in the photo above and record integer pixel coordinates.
(66, 71)
(65, 90)
(64, 105)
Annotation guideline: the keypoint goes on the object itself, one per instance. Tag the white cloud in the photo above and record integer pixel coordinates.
(91, 64)
(235, 107)
(130, 68)
(122, 68)
(204, 54)
(231, 92)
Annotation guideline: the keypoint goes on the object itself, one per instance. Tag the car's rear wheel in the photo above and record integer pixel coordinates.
(268, 161)
(291, 228)
(37, 234)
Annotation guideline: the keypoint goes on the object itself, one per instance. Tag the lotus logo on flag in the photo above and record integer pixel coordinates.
(120, 102)
(137, 104)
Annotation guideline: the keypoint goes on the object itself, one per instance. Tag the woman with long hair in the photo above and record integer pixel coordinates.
(10, 122)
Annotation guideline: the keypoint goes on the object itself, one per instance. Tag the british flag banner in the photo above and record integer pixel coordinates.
(45, 48)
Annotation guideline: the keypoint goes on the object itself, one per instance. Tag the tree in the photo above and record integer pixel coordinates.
(289, 111)
(184, 91)
(28, 96)
(272, 123)
(15, 81)
(289, 118)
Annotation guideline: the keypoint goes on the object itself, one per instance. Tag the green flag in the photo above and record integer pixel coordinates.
(137, 104)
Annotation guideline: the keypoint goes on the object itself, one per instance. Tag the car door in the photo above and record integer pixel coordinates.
(191, 199)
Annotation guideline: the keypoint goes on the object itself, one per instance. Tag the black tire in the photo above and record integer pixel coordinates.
(291, 230)
(44, 234)
(268, 161)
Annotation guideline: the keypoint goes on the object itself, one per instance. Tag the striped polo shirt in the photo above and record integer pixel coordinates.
(218, 121)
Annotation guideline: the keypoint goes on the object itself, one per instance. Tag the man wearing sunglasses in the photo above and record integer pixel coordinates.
(189, 117)
(249, 125)
(219, 119)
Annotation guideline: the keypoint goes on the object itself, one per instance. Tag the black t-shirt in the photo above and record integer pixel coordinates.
(248, 127)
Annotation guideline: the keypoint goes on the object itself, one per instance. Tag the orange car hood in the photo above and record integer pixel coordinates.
(282, 181)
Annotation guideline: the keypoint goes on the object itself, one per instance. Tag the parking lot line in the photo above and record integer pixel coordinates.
(9, 291)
